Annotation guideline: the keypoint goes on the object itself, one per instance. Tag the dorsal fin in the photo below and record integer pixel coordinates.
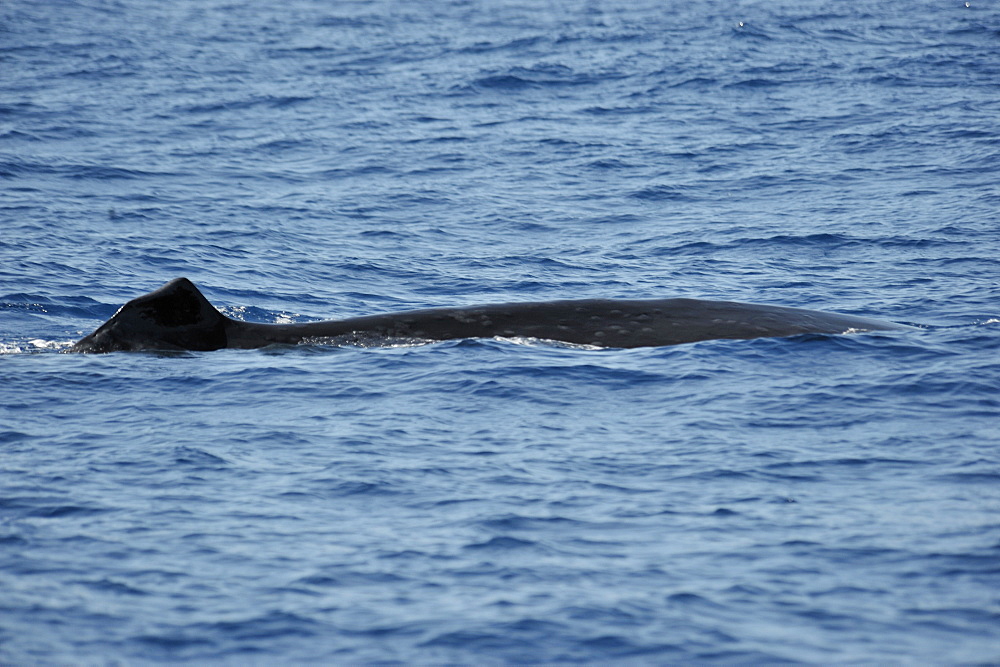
(176, 316)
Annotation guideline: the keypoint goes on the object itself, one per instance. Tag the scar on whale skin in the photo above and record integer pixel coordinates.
(177, 316)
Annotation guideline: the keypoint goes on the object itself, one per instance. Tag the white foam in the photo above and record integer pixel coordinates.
(34, 345)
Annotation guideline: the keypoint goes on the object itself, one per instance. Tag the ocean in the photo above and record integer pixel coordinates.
(814, 498)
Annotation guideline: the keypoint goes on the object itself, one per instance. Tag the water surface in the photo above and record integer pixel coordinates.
(814, 498)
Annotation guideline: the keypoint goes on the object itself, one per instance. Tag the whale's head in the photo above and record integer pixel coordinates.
(175, 317)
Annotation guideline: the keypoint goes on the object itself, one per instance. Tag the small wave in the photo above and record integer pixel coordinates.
(610, 164)
(541, 76)
(19, 168)
(488, 46)
(991, 478)
(502, 543)
(697, 82)
(341, 488)
(755, 83)
(661, 193)
(517, 522)
(266, 626)
(60, 511)
(114, 587)
(503, 82)
(270, 101)
(198, 458)
(361, 21)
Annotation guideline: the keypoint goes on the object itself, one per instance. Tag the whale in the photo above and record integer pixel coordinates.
(177, 316)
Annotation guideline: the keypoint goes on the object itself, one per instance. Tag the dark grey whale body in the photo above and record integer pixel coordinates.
(179, 317)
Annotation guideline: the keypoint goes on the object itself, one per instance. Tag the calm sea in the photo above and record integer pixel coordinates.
(805, 499)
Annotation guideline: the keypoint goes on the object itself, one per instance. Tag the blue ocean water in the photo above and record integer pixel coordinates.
(804, 499)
